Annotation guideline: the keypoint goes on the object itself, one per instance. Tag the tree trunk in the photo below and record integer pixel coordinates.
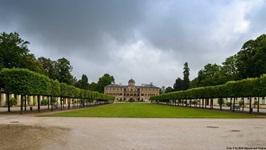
(69, 104)
(8, 103)
(61, 103)
(49, 99)
(21, 105)
(231, 103)
(52, 107)
(38, 100)
(250, 105)
(234, 104)
(258, 105)
(25, 104)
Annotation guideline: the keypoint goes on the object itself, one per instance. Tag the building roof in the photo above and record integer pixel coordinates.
(131, 80)
(125, 86)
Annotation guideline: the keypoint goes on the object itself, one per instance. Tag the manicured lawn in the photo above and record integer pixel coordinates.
(146, 110)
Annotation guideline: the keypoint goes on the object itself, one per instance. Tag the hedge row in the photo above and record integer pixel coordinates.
(25, 82)
(251, 87)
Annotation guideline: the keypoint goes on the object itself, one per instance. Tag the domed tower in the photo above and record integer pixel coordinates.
(131, 82)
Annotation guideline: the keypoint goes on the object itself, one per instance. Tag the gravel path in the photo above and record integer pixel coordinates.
(27, 132)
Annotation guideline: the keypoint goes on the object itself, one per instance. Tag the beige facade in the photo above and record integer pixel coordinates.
(131, 92)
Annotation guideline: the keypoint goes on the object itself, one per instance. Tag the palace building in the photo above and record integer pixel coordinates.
(131, 92)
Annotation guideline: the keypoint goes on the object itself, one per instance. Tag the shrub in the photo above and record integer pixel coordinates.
(229, 104)
(28, 100)
(12, 102)
(193, 102)
(34, 101)
(44, 102)
(241, 103)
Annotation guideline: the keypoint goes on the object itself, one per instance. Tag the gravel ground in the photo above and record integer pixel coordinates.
(28, 132)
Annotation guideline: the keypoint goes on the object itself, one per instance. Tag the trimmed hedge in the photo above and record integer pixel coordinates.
(25, 82)
(251, 87)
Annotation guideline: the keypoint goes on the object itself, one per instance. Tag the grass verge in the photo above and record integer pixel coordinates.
(146, 110)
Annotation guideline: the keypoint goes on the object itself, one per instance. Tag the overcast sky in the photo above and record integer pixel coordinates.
(148, 40)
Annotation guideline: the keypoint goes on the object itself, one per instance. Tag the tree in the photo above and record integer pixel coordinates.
(178, 84)
(250, 61)
(14, 52)
(209, 75)
(83, 83)
(229, 69)
(63, 69)
(93, 86)
(49, 67)
(105, 80)
(169, 89)
(185, 83)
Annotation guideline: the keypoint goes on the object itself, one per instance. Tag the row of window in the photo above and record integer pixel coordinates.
(131, 94)
(127, 89)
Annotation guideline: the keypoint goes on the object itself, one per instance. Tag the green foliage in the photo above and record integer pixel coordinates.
(178, 84)
(250, 59)
(49, 67)
(169, 89)
(12, 102)
(249, 62)
(28, 99)
(34, 101)
(63, 69)
(185, 84)
(241, 103)
(83, 83)
(14, 52)
(105, 80)
(193, 102)
(25, 82)
(229, 104)
(44, 102)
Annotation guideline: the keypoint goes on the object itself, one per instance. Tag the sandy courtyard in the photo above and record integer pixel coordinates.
(27, 132)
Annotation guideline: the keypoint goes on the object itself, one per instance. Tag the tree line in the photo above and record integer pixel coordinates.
(14, 53)
(249, 62)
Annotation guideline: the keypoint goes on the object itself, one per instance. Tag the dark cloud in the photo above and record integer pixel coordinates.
(147, 40)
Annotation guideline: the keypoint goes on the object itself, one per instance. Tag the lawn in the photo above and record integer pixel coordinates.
(146, 110)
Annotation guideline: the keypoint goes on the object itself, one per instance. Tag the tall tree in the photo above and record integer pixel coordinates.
(185, 83)
(178, 84)
(14, 52)
(49, 67)
(250, 60)
(63, 69)
(83, 83)
(209, 75)
(229, 69)
(105, 80)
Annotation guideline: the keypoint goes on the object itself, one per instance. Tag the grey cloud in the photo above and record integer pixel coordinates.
(89, 33)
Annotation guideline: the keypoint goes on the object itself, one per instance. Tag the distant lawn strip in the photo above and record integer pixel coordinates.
(145, 110)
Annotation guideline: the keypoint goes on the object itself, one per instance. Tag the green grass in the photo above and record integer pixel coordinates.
(146, 110)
